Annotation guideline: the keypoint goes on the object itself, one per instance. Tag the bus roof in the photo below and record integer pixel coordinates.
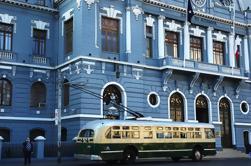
(106, 122)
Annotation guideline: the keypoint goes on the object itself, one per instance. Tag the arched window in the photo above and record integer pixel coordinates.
(38, 95)
(177, 107)
(36, 132)
(112, 99)
(5, 133)
(66, 92)
(202, 109)
(5, 92)
(63, 134)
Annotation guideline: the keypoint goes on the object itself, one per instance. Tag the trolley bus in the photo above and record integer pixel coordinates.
(127, 140)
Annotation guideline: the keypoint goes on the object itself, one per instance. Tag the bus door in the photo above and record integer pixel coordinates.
(85, 142)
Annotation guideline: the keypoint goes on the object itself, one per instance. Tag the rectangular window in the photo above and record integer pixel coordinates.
(41, 2)
(149, 39)
(6, 33)
(39, 41)
(110, 35)
(218, 52)
(172, 44)
(68, 36)
(196, 48)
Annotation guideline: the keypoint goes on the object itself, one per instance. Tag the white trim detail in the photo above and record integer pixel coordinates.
(218, 36)
(5, 67)
(186, 42)
(210, 57)
(124, 98)
(89, 3)
(172, 26)
(217, 123)
(242, 124)
(66, 16)
(246, 55)
(245, 113)
(209, 106)
(185, 104)
(38, 24)
(128, 31)
(150, 21)
(161, 37)
(197, 31)
(111, 12)
(232, 116)
(158, 99)
(5, 18)
(137, 11)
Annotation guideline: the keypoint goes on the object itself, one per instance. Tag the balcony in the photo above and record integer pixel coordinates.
(7, 55)
(206, 68)
(40, 60)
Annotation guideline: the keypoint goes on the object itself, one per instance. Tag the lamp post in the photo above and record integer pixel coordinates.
(58, 116)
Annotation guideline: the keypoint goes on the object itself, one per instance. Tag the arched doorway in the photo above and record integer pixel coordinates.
(202, 109)
(225, 118)
(177, 107)
(112, 100)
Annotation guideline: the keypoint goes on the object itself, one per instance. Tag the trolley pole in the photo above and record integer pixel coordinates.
(58, 116)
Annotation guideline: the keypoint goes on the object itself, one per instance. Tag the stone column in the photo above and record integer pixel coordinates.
(246, 55)
(210, 56)
(40, 147)
(128, 30)
(231, 50)
(186, 41)
(1, 145)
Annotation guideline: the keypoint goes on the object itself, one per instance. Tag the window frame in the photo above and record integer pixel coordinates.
(149, 42)
(8, 90)
(5, 32)
(68, 36)
(157, 99)
(35, 103)
(107, 46)
(39, 40)
(216, 50)
(245, 113)
(196, 48)
(172, 43)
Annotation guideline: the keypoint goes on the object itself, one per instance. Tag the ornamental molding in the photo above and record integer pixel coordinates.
(219, 36)
(38, 24)
(137, 73)
(197, 31)
(217, 84)
(8, 19)
(137, 11)
(150, 21)
(238, 40)
(68, 14)
(172, 26)
(193, 81)
(166, 77)
(111, 12)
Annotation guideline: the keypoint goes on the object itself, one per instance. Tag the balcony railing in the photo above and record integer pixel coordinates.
(206, 67)
(7, 55)
(40, 59)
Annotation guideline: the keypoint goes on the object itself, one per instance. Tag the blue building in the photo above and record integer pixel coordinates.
(142, 54)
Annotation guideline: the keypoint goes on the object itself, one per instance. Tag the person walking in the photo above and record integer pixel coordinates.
(27, 150)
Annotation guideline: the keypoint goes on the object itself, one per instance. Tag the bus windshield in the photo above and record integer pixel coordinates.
(86, 133)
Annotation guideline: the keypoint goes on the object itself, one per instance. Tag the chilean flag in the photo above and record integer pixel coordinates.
(190, 12)
(237, 56)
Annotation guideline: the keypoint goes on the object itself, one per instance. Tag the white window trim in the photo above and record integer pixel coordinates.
(65, 17)
(158, 99)
(245, 113)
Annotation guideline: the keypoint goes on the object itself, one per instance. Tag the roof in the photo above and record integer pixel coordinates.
(106, 122)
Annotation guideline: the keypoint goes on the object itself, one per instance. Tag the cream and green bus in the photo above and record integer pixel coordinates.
(126, 140)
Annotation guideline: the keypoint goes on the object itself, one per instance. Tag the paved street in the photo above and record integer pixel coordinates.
(71, 162)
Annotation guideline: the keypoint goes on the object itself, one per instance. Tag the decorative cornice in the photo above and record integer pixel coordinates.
(200, 14)
(28, 5)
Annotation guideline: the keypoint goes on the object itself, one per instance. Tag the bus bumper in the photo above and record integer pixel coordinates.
(87, 157)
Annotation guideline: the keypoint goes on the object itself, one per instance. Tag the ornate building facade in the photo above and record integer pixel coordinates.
(142, 55)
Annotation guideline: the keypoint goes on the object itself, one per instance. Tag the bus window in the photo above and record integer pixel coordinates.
(147, 128)
(108, 134)
(148, 134)
(135, 134)
(86, 133)
(190, 135)
(159, 135)
(176, 128)
(159, 128)
(168, 135)
(125, 127)
(116, 127)
(183, 135)
(183, 129)
(197, 129)
(126, 134)
(209, 133)
(190, 129)
(176, 135)
(169, 128)
(135, 128)
(198, 135)
(116, 134)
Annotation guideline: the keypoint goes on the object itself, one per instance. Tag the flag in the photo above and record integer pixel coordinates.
(190, 12)
(237, 56)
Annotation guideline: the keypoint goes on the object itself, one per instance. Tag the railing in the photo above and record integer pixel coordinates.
(6, 55)
(38, 59)
(207, 67)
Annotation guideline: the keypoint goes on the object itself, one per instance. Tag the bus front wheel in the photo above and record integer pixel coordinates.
(129, 156)
(197, 155)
